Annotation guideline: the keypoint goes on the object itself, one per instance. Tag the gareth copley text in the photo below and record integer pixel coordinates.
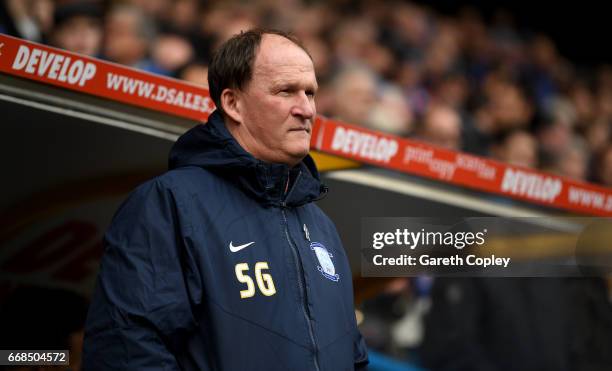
(430, 261)
(412, 240)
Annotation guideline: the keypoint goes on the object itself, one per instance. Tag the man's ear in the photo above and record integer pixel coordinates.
(230, 101)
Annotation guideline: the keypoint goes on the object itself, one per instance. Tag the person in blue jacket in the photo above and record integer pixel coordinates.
(224, 262)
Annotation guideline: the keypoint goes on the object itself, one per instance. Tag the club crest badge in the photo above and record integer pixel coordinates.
(326, 265)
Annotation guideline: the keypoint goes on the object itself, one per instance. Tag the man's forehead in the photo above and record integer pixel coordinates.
(280, 57)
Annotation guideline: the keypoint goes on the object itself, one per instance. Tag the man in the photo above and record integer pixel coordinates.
(224, 262)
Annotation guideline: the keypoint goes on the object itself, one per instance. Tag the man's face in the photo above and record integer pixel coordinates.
(277, 107)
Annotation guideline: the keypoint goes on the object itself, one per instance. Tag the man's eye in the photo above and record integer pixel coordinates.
(310, 93)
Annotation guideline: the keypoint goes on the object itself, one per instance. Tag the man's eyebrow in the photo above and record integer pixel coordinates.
(293, 85)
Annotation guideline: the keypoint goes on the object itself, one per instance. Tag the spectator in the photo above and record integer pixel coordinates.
(351, 40)
(453, 90)
(604, 166)
(441, 126)
(583, 102)
(157, 10)
(78, 28)
(392, 114)
(183, 16)
(507, 105)
(195, 72)
(169, 52)
(359, 84)
(573, 162)
(517, 147)
(598, 134)
(321, 58)
(30, 20)
(554, 138)
(542, 71)
(128, 36)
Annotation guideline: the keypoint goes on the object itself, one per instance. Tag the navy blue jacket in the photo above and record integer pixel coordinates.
(223, 263)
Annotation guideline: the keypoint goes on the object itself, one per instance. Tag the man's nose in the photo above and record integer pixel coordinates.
(304, 107)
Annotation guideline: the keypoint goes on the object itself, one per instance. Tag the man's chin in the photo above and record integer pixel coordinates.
(298, 155)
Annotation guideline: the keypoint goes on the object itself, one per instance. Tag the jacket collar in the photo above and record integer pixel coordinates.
(211, 146)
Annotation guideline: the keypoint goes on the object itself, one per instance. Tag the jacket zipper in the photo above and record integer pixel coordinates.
(301, 280)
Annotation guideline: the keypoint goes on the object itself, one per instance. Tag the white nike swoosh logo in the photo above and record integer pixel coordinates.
(239, 247)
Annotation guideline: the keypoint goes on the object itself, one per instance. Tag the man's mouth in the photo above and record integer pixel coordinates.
(301, 129)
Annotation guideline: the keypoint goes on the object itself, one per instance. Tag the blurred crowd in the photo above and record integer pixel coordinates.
(463, 82)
